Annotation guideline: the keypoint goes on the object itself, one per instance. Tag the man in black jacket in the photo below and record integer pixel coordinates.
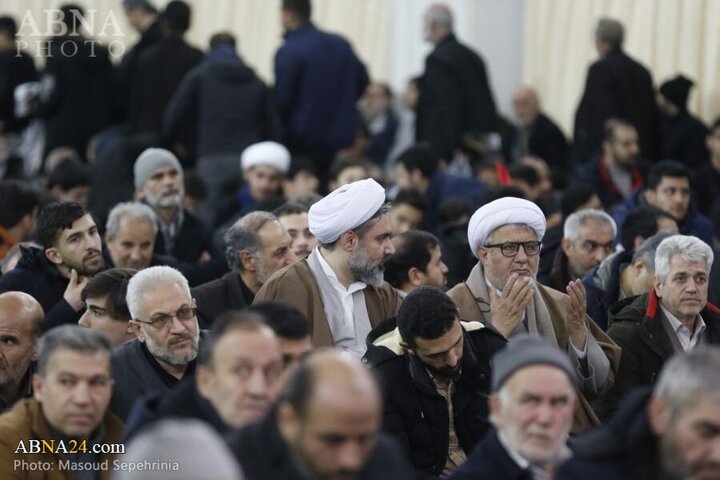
(435, 376)
(617, 87)
(326, 425)
(56, 274)
(455, 96)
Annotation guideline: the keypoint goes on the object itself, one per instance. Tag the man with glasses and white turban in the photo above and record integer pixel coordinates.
(501, 290)
(339, 287)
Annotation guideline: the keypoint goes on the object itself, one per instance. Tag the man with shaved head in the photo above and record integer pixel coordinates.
(21, 318)
(326, 425)
(455, 96)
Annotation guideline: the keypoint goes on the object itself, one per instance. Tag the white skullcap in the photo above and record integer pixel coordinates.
(344, 209)
(271, 154)
(503, 211)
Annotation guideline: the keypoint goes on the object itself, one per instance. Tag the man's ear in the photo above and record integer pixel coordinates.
(247, 260)
(650, 196)
(494, 405)
(566, 244)
(416, 277)
(658, 287)
(348, 241)
(130, 327)
(138, 195)
(288, 422)
(638, 266)
(53, 255)
(136, 328)
(658, 413)
(37, 386)
(34, 351)
(203, 378)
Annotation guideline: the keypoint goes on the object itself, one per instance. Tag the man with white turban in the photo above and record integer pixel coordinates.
(501, 290)
(339, 287)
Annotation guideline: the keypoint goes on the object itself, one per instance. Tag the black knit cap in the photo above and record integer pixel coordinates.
(677, 90)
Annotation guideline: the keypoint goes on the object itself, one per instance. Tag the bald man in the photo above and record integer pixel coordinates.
(536, 134)
(326, 425)
(21, 319)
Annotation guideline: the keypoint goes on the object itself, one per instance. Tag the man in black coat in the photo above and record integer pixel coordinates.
(56, 273)
(435, 376)
(326, 425)
(16, 67)
(669, 433)
(674, 317)
(455, 96)
(532, 408)
(617, 87)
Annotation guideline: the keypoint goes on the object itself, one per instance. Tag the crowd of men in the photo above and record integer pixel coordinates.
(237, 280)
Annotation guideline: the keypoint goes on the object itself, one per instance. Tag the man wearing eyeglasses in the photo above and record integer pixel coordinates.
(588, 239)
(501, 290)
(164, 319)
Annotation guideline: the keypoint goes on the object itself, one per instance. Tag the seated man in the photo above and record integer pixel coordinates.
(71, 394)
(21, 319)
(326, 425)
(434, 371)
(408, 210)
(106, 309)
(671, 432)
(18, 214)
(235, 383)
(291, 328)
(417, 261)
(256, 246)
(620, 278)
(294, 217)
(70, 181)
(673, 317)
(588, 239)
(55, 274)
(532, 408)
(164, 352)
(505, 235)
(339, 287)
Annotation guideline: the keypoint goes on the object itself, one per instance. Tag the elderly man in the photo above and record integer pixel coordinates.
(588, 239)
(167, 337)
(71, 394)
(326, 425)
(55, 274)
(106, 308)
(671, 432)
(673, 317)
(159, 183)
(235, 383)
(505, 235)
(257, 246)
(21, 319)
(529, 439)
(339, 287)
(417, 261)
(130, 234)
(435, 373)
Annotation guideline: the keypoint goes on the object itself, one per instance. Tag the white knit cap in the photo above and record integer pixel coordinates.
(271, 154)
(344, 209)
(503, 211)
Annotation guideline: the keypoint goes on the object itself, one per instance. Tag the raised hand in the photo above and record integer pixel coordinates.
(575, 319)
(74, 288)
(508, 309)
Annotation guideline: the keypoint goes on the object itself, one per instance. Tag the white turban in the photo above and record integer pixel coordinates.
(344, 209)
(501, 212)
(271, 154)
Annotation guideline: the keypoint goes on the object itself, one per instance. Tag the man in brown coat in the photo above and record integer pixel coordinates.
(339, 287)
(54, 434)
(505, 235)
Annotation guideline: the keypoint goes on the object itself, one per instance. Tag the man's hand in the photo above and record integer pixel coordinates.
(508, 309)
(575, 320)
(74, 288)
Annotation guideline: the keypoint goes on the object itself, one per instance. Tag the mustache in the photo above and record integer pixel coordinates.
(91, 253)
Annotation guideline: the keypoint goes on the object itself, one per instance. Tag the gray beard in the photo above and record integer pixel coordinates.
(365, 271)
(173, 359)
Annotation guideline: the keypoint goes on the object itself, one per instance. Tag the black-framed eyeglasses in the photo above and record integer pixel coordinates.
(159, 320)
(510, 249)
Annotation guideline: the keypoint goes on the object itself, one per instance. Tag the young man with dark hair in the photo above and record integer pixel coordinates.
(18, 215)
(434, 373)
(408, 210)
(294, 217)
(301, 179)
(417, 261)
(291, 328)
(106, 308)
(55, 274)
(668, 188)
(70, 181)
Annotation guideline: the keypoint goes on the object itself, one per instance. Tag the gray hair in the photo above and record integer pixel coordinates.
(576, 220)
(688, 377)
(243, 236)
(363, 228)
(610, 31)
(440, 15)
(648, 249)
(691, 249)
(149, 279)
(71, 337)
(135, 211)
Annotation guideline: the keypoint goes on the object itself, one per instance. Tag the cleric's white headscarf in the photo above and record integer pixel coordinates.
(501, 212)
(344, 209)
(271, 154)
